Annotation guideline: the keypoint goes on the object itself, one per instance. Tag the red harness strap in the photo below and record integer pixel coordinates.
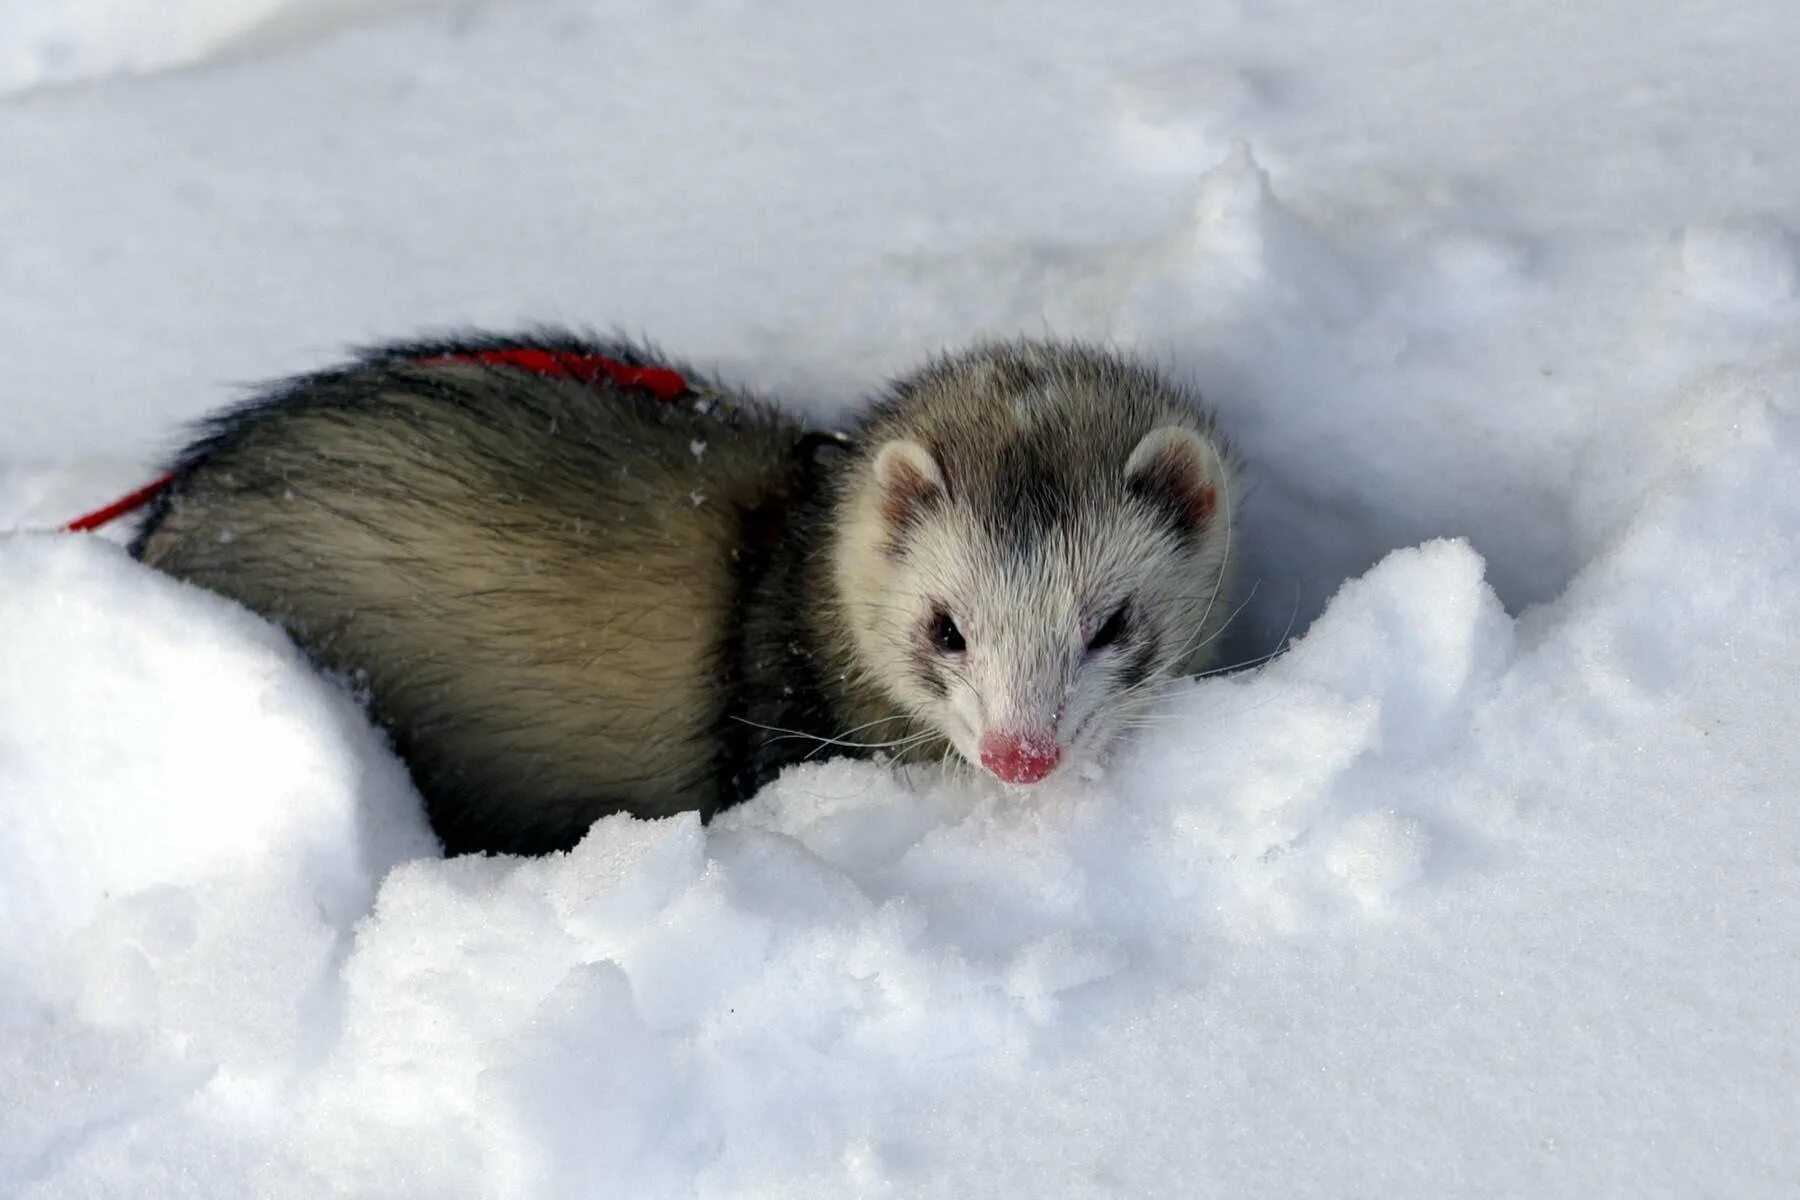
(590, 369)
(664, 384)
(119, 507)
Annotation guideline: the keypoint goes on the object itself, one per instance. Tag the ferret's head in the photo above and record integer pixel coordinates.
(1028, 538)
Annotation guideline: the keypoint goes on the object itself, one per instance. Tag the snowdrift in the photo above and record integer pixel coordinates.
(1436, 892)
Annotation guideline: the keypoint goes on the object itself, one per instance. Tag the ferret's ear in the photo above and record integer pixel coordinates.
(908, 478)
(1176, 469)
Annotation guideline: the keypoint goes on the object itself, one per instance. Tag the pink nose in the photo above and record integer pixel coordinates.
(1019, 757)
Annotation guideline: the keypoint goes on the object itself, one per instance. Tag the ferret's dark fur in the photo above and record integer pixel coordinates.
(567, 600)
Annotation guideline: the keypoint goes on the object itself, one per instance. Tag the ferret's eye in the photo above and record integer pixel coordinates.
(945, 635)
(1112, 630)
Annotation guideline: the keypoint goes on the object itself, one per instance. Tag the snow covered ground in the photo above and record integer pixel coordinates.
(1489, 886)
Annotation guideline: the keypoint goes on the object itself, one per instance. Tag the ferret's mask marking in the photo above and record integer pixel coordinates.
(1023, 633)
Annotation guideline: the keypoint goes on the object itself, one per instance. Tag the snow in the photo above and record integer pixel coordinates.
(1487, 885)
(51, 42)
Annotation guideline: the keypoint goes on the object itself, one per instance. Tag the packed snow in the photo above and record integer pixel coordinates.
(1488, 883)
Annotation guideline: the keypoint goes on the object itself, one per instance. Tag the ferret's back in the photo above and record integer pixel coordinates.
(530, 576)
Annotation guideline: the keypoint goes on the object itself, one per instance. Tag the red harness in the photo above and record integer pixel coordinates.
(590, 369)
(664, 384)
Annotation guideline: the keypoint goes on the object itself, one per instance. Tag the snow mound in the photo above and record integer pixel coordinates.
(195, 821)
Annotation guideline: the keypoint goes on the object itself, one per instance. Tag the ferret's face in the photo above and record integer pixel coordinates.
(1027, 626)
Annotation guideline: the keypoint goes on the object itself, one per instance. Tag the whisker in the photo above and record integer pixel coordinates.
(901, 744)
(1281, 645)
(830, 741)
(876, 721)
(1162, 673)
(1223, 625)
(1225, 555)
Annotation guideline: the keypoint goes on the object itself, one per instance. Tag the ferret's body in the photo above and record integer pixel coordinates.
(567, 599)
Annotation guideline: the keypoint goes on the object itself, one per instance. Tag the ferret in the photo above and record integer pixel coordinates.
(581, 592)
